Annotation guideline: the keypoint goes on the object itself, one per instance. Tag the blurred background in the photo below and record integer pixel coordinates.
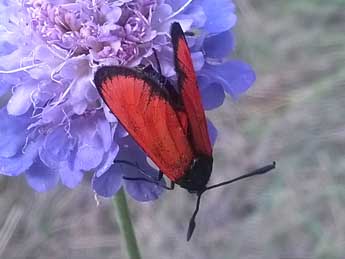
(294, 114)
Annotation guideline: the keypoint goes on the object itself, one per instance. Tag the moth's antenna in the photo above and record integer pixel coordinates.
(191, 225)
(258, 171)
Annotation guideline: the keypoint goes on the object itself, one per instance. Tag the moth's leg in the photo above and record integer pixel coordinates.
(153, 181)
(171, 187)
(160, 175)
(157, 61)
(135, 165)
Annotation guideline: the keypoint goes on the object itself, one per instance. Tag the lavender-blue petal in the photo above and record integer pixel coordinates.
(108, 183)
(142, 190)
(212, 94)
(198, 60)
(196, 13)
(8, 81)
(70, 178)
(113, 14)
(6, 48)
(139, 190)
(104, 131)
(57, 147)
(235, 76)
(20, 102)
(78, 95)
(176, 4)
(120, 131)
(107, 161)
(165, 57)
(90, 148)
(4, 87)
(12, 133)
(40, 177)
(220, 15)
(212, 131)
(17, 164)
(219, 46)
(108, 115)
(88, 157)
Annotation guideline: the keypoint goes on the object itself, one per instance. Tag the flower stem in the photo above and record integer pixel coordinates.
(125, 224)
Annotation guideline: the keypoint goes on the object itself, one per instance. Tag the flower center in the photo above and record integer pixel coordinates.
(106, 29)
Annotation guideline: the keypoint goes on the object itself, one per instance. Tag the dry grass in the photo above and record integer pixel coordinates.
(294, 115)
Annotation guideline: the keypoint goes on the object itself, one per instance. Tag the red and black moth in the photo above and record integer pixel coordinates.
(168, 123)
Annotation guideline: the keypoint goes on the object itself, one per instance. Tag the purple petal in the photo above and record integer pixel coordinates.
(19, 163)
(196, 13)
(143, 191)
(139, 190)
(41, 72)
(114, 14)
(46, 92)
(104, 131)
(220, 45)
(212, 131)
(165, 57)
(57, 147)
(161, 24)
(78, 95)
(108, 160)
(91, 94)
(79, 107)
(108, 183)
(20, 101)
(161, 11)
(198, 60)
(108, 114)
(4, 87)
(6, 48)
(235, 76)
(12, 60)
(88, 157)
(52, 115)
(120, 132)
(40, 177)
(75, 66)
(90, 148)
(70, 178)
(212, 94)
(175, 4)
(220, 15)
(12, 133)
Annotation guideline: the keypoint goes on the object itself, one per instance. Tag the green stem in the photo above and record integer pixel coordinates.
(125, 224)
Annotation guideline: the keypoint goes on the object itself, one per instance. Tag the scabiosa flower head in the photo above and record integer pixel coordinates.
(55, 128)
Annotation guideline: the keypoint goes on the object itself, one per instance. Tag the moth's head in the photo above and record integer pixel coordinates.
(198, 174)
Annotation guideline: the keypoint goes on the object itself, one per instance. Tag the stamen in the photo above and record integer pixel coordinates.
(178, 11)
(62, 97)
(67, 127)
(25, 144)
(20, 69)
(96, 197)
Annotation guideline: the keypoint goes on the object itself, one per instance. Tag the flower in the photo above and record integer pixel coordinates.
(55, 128)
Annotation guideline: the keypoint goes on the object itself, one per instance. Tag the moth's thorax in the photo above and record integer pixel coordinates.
(198, 174)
